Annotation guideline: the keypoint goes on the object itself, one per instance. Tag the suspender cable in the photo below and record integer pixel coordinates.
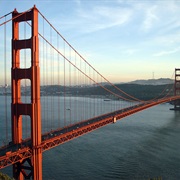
(59, 89)
(5, 79)
(51, 78)
(90, 104)
(94, 113)
(65, 58)
(64, 85)
(25, 90)
(70, 86)
(75, 84)
(43, 79)
(97, 96)
(94, 81)
(131, 97)
(47, 86)
(53, 68)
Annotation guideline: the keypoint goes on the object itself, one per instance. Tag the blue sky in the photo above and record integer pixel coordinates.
(124, 40)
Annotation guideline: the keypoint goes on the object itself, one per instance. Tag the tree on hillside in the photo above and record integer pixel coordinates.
(4, 177)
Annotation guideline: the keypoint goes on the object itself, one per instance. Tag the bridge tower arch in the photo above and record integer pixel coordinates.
(32, 109)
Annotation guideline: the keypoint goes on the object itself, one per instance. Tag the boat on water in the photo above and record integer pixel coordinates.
(106, 99)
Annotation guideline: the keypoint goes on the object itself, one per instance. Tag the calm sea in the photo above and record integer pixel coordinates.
(143, 146)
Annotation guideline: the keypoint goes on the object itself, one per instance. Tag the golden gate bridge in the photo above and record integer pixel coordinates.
(50, 82)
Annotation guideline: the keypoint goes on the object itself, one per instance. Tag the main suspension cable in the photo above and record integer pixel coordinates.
(5, 79)
(65, 58)
(20, 14)
(81, 57)
(132, 97)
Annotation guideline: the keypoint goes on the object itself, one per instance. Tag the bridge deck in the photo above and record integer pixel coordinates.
(12, 153)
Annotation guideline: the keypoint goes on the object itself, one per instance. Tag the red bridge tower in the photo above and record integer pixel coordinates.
(18, 108)
(177, 89)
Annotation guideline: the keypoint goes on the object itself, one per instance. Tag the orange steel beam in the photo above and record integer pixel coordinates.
(18, 108)
(26, 152)
(57, 140)
(15, 157)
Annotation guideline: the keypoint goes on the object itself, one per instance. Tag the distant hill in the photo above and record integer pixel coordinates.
(161, 81)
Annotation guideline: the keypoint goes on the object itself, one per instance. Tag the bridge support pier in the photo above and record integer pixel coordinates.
(18, 108)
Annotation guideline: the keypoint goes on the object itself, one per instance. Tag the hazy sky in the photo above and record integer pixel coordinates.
(123, 39)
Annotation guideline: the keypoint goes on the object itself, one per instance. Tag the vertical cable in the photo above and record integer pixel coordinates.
(43, 81)
(87, 99)
(51, 89)
(64, 85)
(79, 100)
(90, 109)
(80, 84)
(90, 84)
(25, 90)
(58, 82)
(101, 97)
(70, 84)
(94, 95)
(5, 77)
(47, 87)
(97, 95)
(75, 85)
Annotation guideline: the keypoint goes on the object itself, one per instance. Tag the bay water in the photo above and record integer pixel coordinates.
(145, 145)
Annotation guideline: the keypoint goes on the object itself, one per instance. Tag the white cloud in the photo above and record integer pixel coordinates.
(157, 15)
(163, 53)
(168, 39)
(103, 17)
(131, 51)
(150, 18)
